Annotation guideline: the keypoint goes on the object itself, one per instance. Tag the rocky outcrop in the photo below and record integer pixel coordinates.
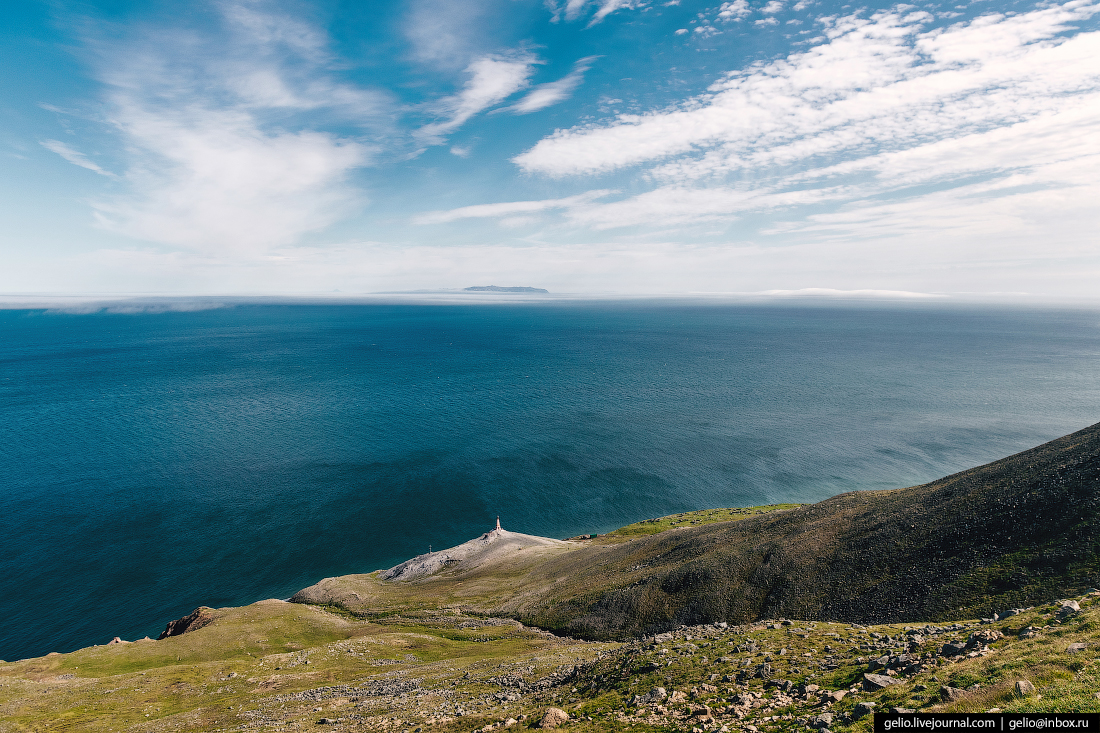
(201, 616)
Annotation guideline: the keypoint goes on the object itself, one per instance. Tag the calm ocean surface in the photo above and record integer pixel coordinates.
(153, 462)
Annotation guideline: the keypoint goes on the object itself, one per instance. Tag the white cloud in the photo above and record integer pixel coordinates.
(509, 209)
(553, 92)
(493, 79)
(734, 11)
(980, 133)
(775, 6)
(574, 9)
(74, 156)
(766, 21)
(215, 159)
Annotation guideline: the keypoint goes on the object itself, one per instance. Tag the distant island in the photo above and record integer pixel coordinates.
(499, 289)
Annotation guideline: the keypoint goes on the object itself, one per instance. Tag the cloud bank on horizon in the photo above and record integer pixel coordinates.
(583, 145)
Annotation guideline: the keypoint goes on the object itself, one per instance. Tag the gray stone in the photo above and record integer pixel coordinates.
(872, 682)
(880, 663)
(951, 694)
(953, 649)
(1068, 609)
(863, 709)
(1007, 614)
(1029, 632)
(902, 710)
(821, 721)
(657, 694)
(1024, 688)
(1077, 647)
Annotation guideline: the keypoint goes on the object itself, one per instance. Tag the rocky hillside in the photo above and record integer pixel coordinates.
(1011, 533)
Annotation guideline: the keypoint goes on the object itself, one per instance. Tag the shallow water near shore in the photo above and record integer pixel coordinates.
(153, 462)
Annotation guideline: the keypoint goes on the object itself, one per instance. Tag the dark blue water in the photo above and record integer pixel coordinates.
(153, 462)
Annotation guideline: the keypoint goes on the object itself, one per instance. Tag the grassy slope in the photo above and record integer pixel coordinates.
(455, 673)
(1012, 533)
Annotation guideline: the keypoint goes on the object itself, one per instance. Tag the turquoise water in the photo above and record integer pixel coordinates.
(153, 462)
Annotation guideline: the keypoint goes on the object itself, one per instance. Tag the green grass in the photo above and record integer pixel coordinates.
(690, 519)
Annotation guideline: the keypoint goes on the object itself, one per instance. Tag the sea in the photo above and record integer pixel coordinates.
(156, 459)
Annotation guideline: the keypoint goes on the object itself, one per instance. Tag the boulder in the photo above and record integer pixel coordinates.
(953, 649)
(553, 717)
(1077, 647)
(863, 709)
(951, 694)
(902, 710)
(657, 694)
(1007, 614)
(833, 696)
(1029, 632)
(873, 682)
(881, 663)
(1068, 609)
(699, 711)
(1024, 688)
(821, 721)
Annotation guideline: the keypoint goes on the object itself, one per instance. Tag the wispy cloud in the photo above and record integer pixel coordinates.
(493, 79)
(545, 95)
(575, 9)
(73, 156)
(891, 126)
(217, 157)
(511, 208)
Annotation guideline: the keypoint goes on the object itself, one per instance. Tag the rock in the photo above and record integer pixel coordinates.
(821, 721)
(1029, 632)
(833, 696)
(873, 682)
(510, 722)
(1077, 647)
(1068, 609)
(678, 696)
(118, 640)
(902, 710)
(1007, 614)
(863, 709)
(953, 649)
(657, 694)
(881, 663)
(699, 711)
(326, 721)
(198, 618)
(553, 717)
(1024, 688)
(984, 637)
(951, 694)
(807, 689)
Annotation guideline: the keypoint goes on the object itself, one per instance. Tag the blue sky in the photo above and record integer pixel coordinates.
(600, 146)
